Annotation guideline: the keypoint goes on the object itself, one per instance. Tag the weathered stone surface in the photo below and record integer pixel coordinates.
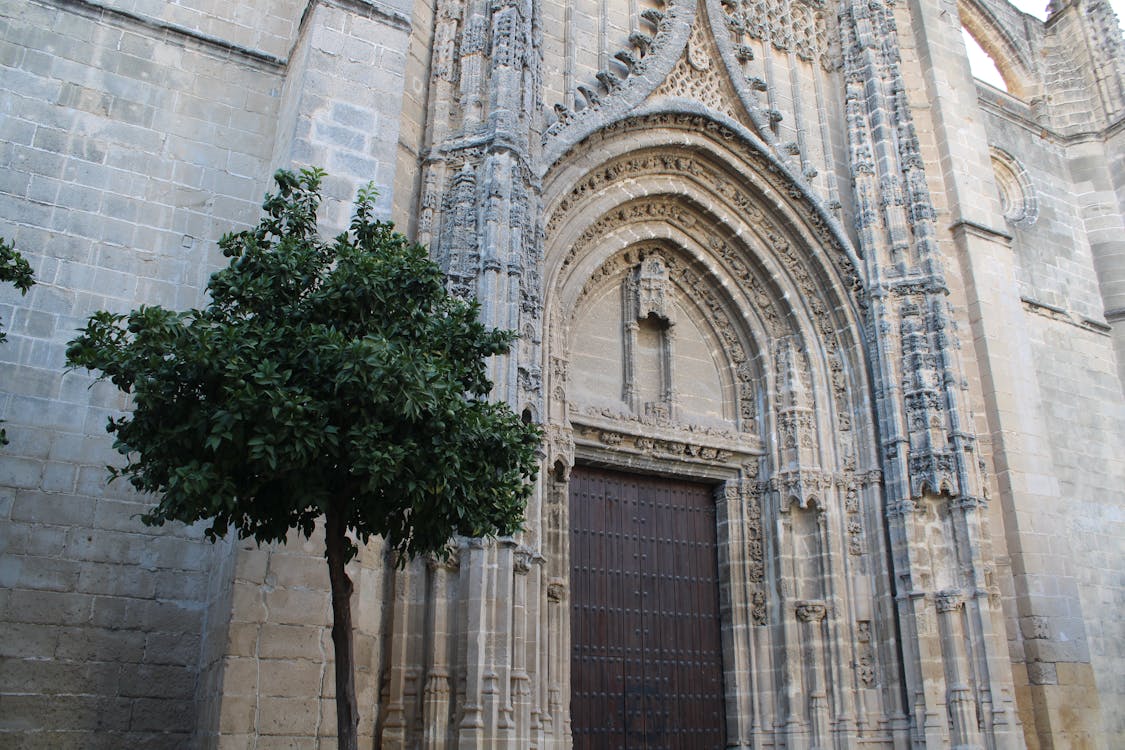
(787, 249)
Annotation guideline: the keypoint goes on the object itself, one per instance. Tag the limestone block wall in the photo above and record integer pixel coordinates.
(1082, 407)
(126, 150)
(132, 135)
(1050, 235)
(412, 124)
(277, 686)
(340, 108)
(342, 100)
(1085, 69)
(1079, 395)
(1113, 285)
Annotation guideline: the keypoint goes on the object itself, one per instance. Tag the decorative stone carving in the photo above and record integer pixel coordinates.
(839, 391)
(803, 485)
(556, 590)
(811, 611)
(652, 293)
(560, 451)
(855, 536)
(658, 421)
(657, 447)
(558, 379)
(698, 76)
(507, 44)
(530, 379)
(701, 291)
(865, 653)
(609, 437)
(949, 600)
(449, 560)
(427, 205)
(458, 251)
(854, 519)
(522, 558)
(778, 179)
(634, 61)
(787, 26)
(758, 607)
(755, 543)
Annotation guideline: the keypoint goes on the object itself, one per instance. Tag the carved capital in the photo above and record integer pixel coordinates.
(522, 559)
(949, 600)
(448, 559)
(811, 611)
(556, 590)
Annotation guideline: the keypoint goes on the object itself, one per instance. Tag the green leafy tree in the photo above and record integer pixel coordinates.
(14, 268)
(333, 379)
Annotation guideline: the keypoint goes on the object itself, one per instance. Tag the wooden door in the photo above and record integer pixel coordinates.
(646, 659)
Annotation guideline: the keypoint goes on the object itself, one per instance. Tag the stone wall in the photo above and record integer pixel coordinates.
(1029, 272)
(1058, 276)
(1079, 392)
(127, 150)
(132, 136)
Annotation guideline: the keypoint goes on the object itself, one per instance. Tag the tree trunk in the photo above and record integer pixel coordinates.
(347, 718)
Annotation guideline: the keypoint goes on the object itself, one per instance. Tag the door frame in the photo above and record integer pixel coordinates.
(732, 468)
(650, 483)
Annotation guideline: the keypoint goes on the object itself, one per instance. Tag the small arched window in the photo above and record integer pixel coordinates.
(1017, 193)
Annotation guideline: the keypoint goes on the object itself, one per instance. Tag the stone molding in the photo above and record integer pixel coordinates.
(222, 48)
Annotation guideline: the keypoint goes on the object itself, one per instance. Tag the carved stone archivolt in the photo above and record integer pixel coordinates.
(761, 171)
(652, 48)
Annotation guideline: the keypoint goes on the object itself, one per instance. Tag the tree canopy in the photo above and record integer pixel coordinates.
(321, 374)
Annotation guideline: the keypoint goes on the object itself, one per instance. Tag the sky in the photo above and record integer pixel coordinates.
(983, 67)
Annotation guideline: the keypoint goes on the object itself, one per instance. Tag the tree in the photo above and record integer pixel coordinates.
(14, 268)
(335, 379)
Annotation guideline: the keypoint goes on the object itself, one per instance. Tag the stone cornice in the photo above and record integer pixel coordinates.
(170, 32)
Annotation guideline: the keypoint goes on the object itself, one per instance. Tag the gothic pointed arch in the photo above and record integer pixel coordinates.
(679, 250)
(1008, 48)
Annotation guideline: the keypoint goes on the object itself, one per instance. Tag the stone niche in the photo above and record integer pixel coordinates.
(637, 341)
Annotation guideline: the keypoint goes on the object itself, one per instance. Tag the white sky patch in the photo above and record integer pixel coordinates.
(981, 64)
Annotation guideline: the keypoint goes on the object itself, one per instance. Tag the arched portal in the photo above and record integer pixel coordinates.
(700, 328)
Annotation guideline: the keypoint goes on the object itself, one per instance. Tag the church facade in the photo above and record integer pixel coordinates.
(827, 340)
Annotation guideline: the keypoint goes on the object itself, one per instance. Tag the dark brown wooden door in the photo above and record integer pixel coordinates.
(646, 659)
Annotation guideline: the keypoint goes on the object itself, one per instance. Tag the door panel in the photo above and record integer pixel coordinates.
(646, 659)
